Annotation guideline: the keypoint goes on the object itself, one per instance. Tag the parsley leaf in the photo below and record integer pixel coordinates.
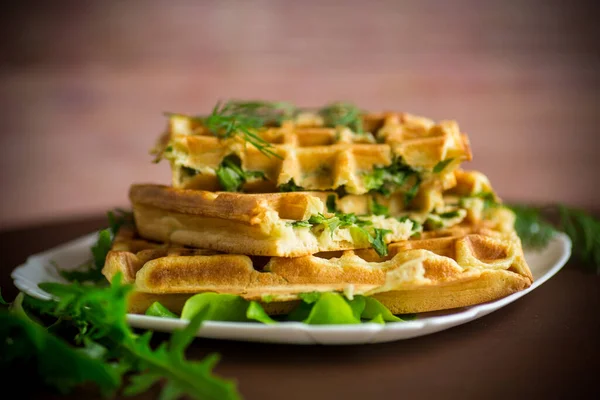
(449, 214)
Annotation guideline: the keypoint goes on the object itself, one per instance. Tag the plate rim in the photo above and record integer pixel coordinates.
(449, 320)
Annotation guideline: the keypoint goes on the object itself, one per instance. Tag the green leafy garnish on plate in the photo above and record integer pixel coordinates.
(105, 348)
(536, 230)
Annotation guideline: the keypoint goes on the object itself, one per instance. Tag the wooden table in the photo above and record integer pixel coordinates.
(544, 345)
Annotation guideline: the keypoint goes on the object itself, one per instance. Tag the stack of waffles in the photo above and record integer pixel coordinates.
(375, 205)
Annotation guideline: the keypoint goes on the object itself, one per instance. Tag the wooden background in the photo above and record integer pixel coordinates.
(83, 85)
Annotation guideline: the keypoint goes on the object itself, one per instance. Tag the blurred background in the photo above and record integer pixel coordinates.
(83, 86)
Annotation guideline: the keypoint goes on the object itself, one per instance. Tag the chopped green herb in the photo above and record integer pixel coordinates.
(303, 224)
(189, 172)
(439, 167)
(377, 208)
(342, 114)
(290, 186)
(266, 298)
(231, 176)
(386, 180)
(310, 297)
(331, 203)
(227, 121)
(377, 241)
(412, 192)
(450, 214)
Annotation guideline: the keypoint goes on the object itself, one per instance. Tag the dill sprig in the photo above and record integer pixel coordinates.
(226, 121)
(342, 114)
(536, 230)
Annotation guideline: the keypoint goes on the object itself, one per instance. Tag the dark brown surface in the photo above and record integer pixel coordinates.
(544, 345)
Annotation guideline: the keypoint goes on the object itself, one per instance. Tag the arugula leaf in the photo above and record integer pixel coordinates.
(583, 229)
(104, 312)
(531, 228)
(331, 203)
(440, 166)
(92, 271)
(158, 310)
(56, 362)
(118, 218)
(2, 301)
(378, 209)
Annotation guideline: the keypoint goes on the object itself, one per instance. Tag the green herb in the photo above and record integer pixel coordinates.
(290, 186)
(329, 308)
(450, 214)
(158, 310)
(257, 313)
(416, 226)
(110, 348)
(310, 297)
(377, 241)
(386, 180)
(227, 121)
(189, 172)
(231, 176)
(331, 203)
(373, 309)
(342, 114)
(489, 199)
(2, 301)
(583, 230)
(303, 224)
(91, 271)
(378, 209)
(267, 298)
(412, 192)
(533, 230)
(439, 167)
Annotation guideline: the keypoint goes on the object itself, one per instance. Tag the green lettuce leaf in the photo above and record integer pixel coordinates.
(219, 307)
(158, 310)
(331, 308)
(374, 309)
(257, 313)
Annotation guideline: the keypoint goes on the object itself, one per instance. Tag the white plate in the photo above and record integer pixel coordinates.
(544, 264)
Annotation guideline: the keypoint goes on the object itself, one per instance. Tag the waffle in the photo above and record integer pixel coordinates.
(315, 158)
(279, 224)
(455, 269)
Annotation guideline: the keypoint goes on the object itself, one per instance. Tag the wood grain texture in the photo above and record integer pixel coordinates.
(83, 85)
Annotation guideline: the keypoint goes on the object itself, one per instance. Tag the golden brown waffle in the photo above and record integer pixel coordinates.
(255, 224)
(417, 275)
(317, 158)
